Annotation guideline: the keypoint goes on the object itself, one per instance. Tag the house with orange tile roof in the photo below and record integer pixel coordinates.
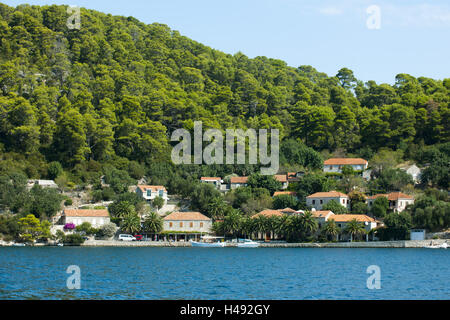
(96, 218)
(336, 164)
(283, 179)
(190, 222)
(215, 181)
(236, 182)
(342, 221)
(319, 199)
(151, 192)
(283, 193)
(397, 200)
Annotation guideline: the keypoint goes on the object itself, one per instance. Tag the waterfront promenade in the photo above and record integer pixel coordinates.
(372, 244)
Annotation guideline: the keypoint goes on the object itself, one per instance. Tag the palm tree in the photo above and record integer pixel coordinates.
(291, 228)
(331, 229)
(354, 228)
(153, 223)
(232, 222)
(131, 223)
(217, 208)
(272, 224)
(123, 209)
(218, 228)
(247, 227)
(260, 223)
(308, 224)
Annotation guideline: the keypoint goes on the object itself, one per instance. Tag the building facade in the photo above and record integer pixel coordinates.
(319, 199)
(187, 222)
(151, 192)
(397, 200)
(96, 218)
(336, 164)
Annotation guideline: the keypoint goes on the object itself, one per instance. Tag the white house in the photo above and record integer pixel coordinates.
(283, 179)
(412, 170)
(236, 182)
(319, 199)
(397, 200)
(336, 164)
(96, 218)
(188, 222)
(42, 183)
(215, 181)
(151, 192)
(321, 215)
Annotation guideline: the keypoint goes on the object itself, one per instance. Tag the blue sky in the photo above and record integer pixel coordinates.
(413, 36)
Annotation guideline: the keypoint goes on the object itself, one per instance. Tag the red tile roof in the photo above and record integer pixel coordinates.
(153, 188)
(321, 213)
(344, 161)
(280, 177)
(350, 217)
(331, 194)
(287, 210)
(392, 196)
(86, 213)
(186, 216)
(268, 213)
(238, 179)
(280, 193)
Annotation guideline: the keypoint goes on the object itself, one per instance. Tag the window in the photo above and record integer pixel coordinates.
(201, 224)
(170, 224)
(331, 167)
(181, 224)
(149, 193)
(314, 202)
(321, 201)
(161, 193)
(191, 224)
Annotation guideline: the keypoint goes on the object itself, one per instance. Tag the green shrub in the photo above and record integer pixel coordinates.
(73, 239)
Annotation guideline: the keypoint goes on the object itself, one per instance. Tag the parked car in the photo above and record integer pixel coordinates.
(126, 237)
(139, 237)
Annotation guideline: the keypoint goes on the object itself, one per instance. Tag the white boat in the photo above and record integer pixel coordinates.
(18, 244)
(208, 242)
(438, 246)
(247, 243)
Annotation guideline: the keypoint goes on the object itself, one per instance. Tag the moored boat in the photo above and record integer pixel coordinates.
(438, 246)
(208, 242)
(247, 243)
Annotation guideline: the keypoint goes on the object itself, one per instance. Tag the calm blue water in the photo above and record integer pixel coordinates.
(223, 273)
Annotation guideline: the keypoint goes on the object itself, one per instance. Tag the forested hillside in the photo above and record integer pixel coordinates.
(113, 91)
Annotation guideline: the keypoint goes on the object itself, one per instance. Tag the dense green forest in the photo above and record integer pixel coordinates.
(112, 92)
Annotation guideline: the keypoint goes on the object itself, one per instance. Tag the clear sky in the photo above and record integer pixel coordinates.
(413, 35)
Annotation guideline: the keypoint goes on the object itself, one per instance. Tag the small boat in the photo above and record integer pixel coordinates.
(438, 246)
(208, 242)
(60, 245)
(18, 244)
(247, 243)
